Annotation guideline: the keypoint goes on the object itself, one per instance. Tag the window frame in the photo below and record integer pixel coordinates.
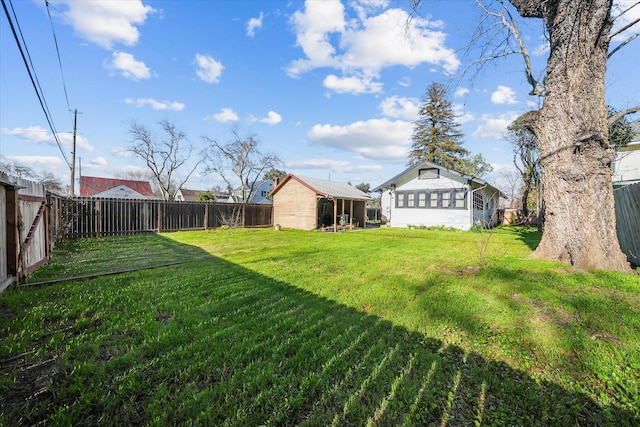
(426, 172)
(455, 198)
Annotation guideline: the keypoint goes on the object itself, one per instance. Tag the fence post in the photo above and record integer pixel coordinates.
(206, 216)
(159, 217)
(244, 215)
(13, 233)
(98, 217)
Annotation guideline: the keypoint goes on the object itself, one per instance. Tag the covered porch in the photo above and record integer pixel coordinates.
(340, 213)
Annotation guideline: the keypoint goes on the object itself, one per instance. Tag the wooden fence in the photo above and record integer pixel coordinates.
(25, 241)
(92, 217)
(627, 202)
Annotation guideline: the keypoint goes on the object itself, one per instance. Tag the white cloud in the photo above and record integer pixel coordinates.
(272, 118)
(373, 139)
(400, 107)
(253, 24)
(338, 166)
(209, 70)
(462, 116)
(405, 81)
(460, 92)
(542, 49)
(224, 116)
(504, 95)
(353, 84)
(313, 28)
(96, 164)
(106, 22)
(156, 105)
(364, 45)
(120, 152)
(128, 66)
(49, 163)
(494, 126)
(37, 135)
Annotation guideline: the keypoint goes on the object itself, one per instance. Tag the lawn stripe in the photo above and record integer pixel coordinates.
(351, 403)
(379, 413)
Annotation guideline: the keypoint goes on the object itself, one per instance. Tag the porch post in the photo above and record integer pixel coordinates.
(335, 215)
(350, 213)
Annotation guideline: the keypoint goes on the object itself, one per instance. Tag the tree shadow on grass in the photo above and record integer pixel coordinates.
(213, 343)
(528, 235)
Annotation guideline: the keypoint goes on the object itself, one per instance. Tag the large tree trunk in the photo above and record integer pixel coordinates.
(572, 132)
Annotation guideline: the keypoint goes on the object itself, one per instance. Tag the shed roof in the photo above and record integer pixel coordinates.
(90, 185)
(332, 189)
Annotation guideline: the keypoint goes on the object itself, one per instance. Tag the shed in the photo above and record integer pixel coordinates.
(308, 203)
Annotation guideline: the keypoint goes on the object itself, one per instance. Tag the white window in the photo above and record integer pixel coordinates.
(445, 199)
(422, 200)
(411, 200)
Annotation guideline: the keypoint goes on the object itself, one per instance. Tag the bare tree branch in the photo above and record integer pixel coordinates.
(163, 158)
(625, 28)
(239, 162)
(623, 44)
(625, 11)
(621, 114)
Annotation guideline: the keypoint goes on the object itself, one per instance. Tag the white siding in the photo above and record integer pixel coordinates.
(427, 217)
(626, 168)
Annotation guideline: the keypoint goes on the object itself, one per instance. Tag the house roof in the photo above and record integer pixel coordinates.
(428, 164)
(91, 185)
(191, 194)
(332, 189)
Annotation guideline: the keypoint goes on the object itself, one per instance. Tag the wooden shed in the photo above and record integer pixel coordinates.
(309, 203)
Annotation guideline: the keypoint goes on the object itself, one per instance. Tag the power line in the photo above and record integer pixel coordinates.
(55, 39)
(33, 79)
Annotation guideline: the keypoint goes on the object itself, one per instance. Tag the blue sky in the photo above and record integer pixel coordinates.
(331, 87)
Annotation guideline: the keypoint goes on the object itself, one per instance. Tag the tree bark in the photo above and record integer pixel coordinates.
(573, 140)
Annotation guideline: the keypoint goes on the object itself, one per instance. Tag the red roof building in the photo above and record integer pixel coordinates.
(91, 186)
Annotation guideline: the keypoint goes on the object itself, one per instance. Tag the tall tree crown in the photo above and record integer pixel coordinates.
(436, 136)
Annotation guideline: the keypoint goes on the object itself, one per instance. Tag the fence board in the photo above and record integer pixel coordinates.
(627, 203)
(94, 217)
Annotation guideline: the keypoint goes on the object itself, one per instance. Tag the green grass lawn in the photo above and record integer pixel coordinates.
(377, 327)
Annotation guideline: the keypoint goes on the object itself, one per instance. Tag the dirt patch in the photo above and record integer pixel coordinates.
(31, 390)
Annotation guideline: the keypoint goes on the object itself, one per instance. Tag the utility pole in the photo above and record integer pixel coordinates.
(73, 156)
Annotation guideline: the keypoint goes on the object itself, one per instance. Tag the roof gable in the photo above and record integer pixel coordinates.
(427, 164)
(92, 185)
(333, 189)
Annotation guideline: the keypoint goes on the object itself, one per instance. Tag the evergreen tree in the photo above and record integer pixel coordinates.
(436, 136)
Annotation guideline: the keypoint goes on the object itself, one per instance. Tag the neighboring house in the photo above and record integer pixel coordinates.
(91, 186)
(259, 196)
(626, 167)
(308, 203)
(430, 195)
(185, 195)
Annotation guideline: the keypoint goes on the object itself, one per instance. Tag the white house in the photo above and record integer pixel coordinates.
(430, 195)
(259, 196)
(626, 167)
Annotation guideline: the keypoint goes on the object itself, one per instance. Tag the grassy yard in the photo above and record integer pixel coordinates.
(379, 327)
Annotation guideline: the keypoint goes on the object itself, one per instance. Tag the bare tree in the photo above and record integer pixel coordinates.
(572, 127)
(164, 156)
(239, 163)
(525, 159)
